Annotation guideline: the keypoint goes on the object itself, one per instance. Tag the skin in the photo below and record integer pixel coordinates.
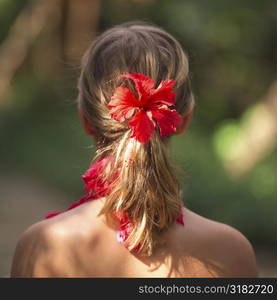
(80, 243)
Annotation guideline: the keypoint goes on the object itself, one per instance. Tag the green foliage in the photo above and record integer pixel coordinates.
(43, 136)
(8, 12)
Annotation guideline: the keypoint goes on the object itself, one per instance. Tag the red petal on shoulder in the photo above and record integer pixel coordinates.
(94, 180)
(164, 93)
(143, 83)
(180, 219)
(168, 120)
(52, 214)
(95, 169)
(142, 127)
(122, 104)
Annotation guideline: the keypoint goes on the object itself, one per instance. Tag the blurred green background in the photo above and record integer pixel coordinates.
(229, 152)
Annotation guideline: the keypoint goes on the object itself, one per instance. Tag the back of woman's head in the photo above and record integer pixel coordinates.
(146, 186)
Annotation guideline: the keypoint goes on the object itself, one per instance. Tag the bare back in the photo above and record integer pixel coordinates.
(79, 243)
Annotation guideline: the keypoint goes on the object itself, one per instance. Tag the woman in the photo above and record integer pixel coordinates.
(134, 93)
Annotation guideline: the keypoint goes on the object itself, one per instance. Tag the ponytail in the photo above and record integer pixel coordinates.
(146, 189)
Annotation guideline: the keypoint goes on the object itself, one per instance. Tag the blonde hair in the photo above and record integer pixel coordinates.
(147, 187)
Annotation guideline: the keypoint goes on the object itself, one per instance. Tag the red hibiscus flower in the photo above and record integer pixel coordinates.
(152, 107)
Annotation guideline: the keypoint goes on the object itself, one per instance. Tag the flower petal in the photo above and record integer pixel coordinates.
(99, 185)
(122, 104)
(142, 127)
(164, 93)
(168, 120)
(95, 169)
(52, 214)
(143, 84)
(180, 219)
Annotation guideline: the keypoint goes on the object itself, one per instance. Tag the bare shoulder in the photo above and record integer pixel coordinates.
(49, 248)
(40, 250)
(230, 251)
